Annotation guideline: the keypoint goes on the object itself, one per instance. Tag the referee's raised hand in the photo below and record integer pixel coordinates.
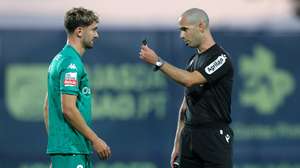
(148, 55)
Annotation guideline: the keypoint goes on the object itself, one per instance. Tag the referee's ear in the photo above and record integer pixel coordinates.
(202, 26)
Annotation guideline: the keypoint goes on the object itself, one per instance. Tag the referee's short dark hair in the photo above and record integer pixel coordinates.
(77, 17)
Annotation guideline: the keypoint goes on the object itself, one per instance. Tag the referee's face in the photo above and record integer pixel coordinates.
(90, 34)
(189, 33)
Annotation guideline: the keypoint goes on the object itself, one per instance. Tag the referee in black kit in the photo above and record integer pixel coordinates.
(203, 137)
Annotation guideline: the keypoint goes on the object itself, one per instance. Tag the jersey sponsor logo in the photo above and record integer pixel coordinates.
(216, 64)
(70, 79)
(72, 66)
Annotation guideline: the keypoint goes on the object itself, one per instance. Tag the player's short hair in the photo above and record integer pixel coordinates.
(77, 17)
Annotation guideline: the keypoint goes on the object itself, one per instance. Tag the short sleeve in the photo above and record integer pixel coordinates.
(216, 67)
(69, 77)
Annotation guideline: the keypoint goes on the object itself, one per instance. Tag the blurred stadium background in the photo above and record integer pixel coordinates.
(135, 109)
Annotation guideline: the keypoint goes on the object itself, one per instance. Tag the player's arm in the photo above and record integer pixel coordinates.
(74, 117)
(180, 126)
(46, 111)
(182, 77)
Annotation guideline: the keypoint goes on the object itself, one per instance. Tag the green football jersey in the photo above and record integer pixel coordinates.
(67, 75)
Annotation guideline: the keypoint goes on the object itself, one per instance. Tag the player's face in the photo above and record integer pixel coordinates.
(90, 34)
(189, 33)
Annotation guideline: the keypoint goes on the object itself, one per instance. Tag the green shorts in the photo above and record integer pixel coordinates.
(71, 161)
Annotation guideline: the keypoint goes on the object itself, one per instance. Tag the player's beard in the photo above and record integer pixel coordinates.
(88, 44)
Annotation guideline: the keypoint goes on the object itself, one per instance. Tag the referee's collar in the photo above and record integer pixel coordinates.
(207, 50)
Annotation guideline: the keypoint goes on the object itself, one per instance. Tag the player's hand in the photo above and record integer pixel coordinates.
(174, 155)
(148, 55)
(102, 149)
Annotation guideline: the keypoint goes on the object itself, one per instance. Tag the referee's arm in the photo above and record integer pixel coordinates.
(181, 76)
(180, 125)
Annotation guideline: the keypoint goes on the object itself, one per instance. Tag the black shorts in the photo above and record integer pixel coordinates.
(206, 147)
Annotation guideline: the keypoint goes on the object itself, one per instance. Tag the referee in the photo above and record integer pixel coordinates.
(203, 137)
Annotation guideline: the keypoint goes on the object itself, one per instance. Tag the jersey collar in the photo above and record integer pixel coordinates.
(70, 47)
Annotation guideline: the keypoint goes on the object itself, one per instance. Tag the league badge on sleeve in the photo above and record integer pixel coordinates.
(70, 79)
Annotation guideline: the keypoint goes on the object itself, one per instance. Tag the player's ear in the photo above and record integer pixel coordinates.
(79, 31)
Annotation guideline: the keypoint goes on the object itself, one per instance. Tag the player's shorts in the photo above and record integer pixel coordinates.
(71, 161)
(206, 147)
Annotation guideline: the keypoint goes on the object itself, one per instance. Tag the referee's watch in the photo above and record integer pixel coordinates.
(158, 64)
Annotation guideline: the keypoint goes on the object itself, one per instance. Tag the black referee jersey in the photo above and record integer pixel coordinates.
(210, 102)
